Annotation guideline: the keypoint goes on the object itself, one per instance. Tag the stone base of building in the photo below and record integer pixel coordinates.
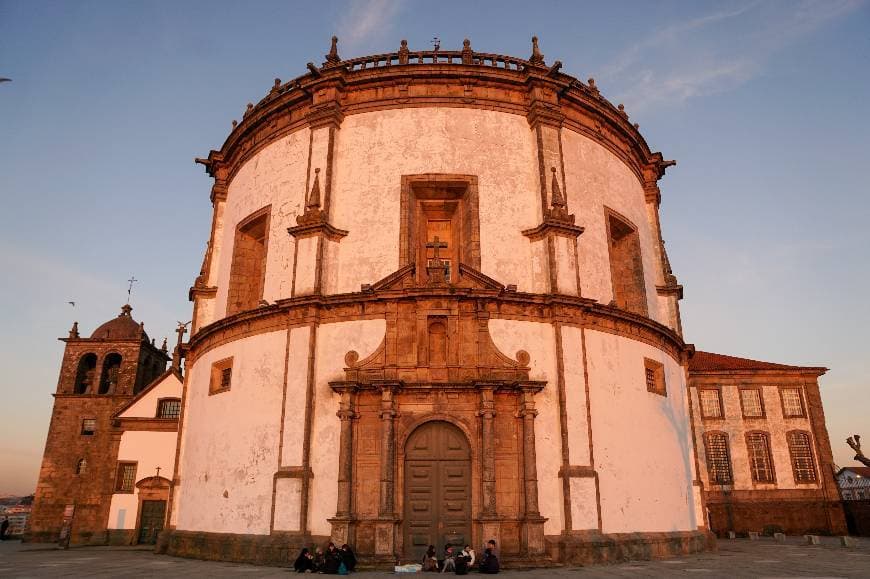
(768, 517)
(281, 549)
(278, 549)
(120, 537)
(590, 548)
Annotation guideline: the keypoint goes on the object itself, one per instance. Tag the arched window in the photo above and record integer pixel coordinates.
(82, 466)
(248, 266)
(760, 460)
(626, 266)
(718, 458)
(801, 451)
(85, 373)
(111, 371)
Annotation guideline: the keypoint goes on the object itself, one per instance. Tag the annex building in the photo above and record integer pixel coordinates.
(435, 308)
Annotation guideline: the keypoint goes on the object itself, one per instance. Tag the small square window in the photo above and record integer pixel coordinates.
(169, 408)
(655, 377)
(126, 478)
(221, 376)
(711, 403)
(89, 426)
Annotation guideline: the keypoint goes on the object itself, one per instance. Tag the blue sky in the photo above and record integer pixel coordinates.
(763, 104)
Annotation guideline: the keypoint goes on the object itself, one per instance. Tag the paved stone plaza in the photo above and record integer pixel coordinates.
(736, 558)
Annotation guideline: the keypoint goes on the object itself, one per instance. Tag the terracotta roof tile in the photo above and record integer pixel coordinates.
(710, 362)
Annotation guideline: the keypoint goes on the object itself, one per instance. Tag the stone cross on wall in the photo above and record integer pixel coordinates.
(436, 244)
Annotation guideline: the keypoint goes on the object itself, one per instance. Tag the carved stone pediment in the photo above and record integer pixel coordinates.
(404, 278)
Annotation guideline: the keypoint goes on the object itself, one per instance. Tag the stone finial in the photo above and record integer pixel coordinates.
(314, 196)
(536, 57)
(404, 53)
(467, 53)
(332, 57)
(249, 108)
(235, 124)
(276, 85)
(74, 331)
(557, 200)
(164, 347)
(592, 85)
(125, 310)
(621, 108)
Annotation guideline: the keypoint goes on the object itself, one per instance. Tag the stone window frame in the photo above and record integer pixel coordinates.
(613, 214)
(729, 463)
(120, 487)
(89, 431)
(162, 401)
(657, 369)
(468, 252)
(263, 212)
(760, 391)
(801, 396)
(718, 391)
(769, 451)
(794, 460)
(215, 384)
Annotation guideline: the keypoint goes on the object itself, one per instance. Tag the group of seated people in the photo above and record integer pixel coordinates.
(463, 561)
(334, 561)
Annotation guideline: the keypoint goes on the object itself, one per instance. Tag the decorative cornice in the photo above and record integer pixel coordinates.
(560, 228)
(317, 228)
(670, 290)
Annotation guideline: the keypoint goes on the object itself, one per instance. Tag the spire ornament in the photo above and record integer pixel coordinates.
(74, 331)
(314, 197)
(467, 53)
(536, 58)
(332, 57)
(404, 53)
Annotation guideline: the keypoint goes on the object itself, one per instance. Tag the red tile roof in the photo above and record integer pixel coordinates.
(710, 362)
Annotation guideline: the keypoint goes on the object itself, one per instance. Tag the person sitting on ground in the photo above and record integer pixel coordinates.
(449, 560)
(472, 556)
(332, 560)
(319, 560)
(489, 563)
(461, 563)
(348, 557)
(304, 562)
(430, 559)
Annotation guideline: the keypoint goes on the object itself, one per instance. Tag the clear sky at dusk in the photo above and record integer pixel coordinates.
(762, 103)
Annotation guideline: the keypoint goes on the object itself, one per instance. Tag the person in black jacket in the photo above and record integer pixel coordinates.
(332, 560)
(348, 557)
(304, 562)
(489, 562)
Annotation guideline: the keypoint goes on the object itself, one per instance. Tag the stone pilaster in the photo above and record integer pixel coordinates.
(489, 514)
(342, 523)
(533, 524)
(385, 528)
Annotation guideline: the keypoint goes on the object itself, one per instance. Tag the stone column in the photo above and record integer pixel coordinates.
(489, 514)
(385, 528)
(342, 522)
(533, 525)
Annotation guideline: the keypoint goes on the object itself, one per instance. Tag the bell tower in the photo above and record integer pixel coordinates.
(98, 375)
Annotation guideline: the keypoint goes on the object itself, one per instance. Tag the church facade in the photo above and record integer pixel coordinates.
(436, 308)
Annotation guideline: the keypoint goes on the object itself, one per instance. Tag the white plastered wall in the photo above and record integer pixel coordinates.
(276, 176)
(230, 440)
(149, 450)
(146, 406)
(595, 178)
(642, 441)
(333, 342)
(538, 339)
(375, 149)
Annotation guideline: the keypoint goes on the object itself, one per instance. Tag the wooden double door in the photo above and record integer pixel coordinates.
(151, 521)
(437, 489)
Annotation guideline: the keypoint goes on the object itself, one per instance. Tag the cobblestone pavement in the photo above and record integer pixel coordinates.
(735, 558)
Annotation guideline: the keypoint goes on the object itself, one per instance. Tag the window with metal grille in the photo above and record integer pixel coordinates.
(792, 403)
(89, 426)
(82, 466)
(221, 376)
(655, 377)
(718, 458)
(711, 403)
(126, 477)
(169, 408)
(751, 403)
(801, 457)
(760, 461)
(650, 379)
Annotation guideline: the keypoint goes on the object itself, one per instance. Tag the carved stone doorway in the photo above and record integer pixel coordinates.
(437, 489)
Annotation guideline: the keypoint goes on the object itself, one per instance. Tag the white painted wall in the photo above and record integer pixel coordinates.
(595, 178)
(149, 450)
(231, 439)
(333, 342)
(146, 406)
(642, 441)
(539, 341)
